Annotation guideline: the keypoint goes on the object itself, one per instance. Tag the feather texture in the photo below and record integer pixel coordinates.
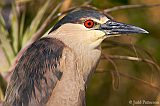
(36, 74)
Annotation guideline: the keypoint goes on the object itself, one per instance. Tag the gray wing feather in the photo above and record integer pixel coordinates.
(36, 74)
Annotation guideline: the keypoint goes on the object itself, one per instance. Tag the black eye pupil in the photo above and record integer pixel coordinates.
(89, 23)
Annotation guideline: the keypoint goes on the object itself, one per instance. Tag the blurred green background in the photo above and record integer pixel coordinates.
(20, 20)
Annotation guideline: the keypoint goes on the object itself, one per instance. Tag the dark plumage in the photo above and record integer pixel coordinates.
(36, 74)
(76, 15)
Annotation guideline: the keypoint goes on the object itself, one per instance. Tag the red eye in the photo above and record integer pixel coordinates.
(89, 23)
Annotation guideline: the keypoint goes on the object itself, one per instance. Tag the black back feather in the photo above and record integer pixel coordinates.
(36, 74)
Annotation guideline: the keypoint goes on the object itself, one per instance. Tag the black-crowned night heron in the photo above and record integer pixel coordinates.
(54, 70)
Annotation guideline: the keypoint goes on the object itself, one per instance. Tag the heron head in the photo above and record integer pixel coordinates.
(92, 27)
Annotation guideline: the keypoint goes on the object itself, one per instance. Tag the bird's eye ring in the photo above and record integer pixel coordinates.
(89, 23)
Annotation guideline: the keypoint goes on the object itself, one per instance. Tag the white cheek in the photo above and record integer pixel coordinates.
(96, 44)
(98, 34)
(97, 38)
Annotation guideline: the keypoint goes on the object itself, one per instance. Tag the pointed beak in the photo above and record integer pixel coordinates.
(113, 28)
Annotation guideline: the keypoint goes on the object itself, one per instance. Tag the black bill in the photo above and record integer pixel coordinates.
(114, 28)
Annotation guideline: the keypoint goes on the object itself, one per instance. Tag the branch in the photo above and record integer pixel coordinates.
(134, 78)
(115, 74)
(130, 7)
(130, 46)
(115, 44)
(130, 58)
(87, 2)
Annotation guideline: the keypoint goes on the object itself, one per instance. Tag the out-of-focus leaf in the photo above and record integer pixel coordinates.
(1, 95)
(15, 27)
(21, 29)
(2, 3)
(4, 41)
(3, 85)
(22, 1)
(35, 23)
(2, 23)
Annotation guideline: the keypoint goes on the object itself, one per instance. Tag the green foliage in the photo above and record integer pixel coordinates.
(35, 22)
(15, 27)
(5, 43)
